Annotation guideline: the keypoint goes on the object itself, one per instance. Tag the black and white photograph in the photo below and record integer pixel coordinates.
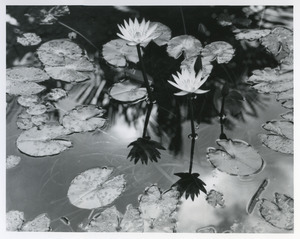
(148, 118)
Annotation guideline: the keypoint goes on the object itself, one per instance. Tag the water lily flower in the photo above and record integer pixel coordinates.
(189, 82)
(137, 33)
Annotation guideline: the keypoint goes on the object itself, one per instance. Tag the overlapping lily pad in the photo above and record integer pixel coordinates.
(281, 136)
(280, 212)
(56, 94)
(29, 39)
(43, 141)
(159, 209)
(36, 109)
(24, 121)
(117, 53)
(252, 34)
(84, 118)
(28, 100)
(14, 220)
(12, 161)
(41, 223)
(95, 188)
(184, 44)
(219, 50)
(64, 60)
(190, 63)
(128, 92)
(237, 157)
(163, 32)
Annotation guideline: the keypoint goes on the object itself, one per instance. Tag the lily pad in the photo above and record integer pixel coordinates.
(84, 118)
(95, 188)
(238, 157)
(43, 141)
(23, 88)
(289, 104)
(162, 31)
(36, 109)
(14, 220)
(29, 39)
(39, 224)
(24, 121)
(39, 119)
(288, 115)
(63, 60)
(28, 100)
(12, 161)
(117, 53)
(188, 45)
(132, 221)
(206, 230)
(128, 92)
(285, 95)
(56, 94)
(159, 209)
(215, 198)
(279, 213)
(252, 34)
(281, 137)
(190, 62)
(219, 50)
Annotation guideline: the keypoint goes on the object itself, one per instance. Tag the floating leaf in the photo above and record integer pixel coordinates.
(190, 63)
(43, 141)
(24, 121)
(237, 158)
(56, 94)
(158, 209)
(128, 92)
(84, 118)
(39, 119)
(37, 109)
(163, 32)
(289, 104)
(29, 39)
(39, 224)
(215, 198)
(188, 45)
(23, 88)
(95, 188)
(271, 80)
(12, 161)
(117, 53)
(285, 95)
(219, 50)
(288, 116)
(132, 221)
(252, 34)
(279, 213)
(255, 198)
(281, 137)
(28, 100)
(14, 220)
(206, 230)
(63, 60)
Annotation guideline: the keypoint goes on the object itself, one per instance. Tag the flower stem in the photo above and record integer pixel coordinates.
(183, 21)
(193, 133)
(147, 119)
(138, 47)
(221, 115)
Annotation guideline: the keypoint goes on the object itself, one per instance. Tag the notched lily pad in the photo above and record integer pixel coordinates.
(117, 53)
(84, 118)
(39, 224)
(238, 157)
(219, 50)
(163, 32)
(14, 220)
(215, 198)
(95, 188)
(43, 141)
(128, 92)
(280, 212)
(12, 161)
(252, 34)
(188, 45)
(29, 39)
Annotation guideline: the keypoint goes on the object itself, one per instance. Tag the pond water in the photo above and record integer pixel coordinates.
(40, 184)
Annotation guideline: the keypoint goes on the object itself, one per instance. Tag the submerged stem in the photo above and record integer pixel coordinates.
(138, 47)
(193, 133)
(147, 119)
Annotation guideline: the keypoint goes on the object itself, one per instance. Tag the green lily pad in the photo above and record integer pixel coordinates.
(280, 212)
(128, 92)
(158, 209)
(95, 188)
(252, 34)
(56, 94)
(14, 220)
(238, 157)
(28, 100)
(84, 118)
(281, 136)
(219, 50)
(117, 53)
(43, 141)
(36, 109)
(215, 198)
(188, 45)
(29, 39)
(12, 161)
(39, 224)
(163, 32)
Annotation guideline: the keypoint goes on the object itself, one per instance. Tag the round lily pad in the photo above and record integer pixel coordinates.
(186, 44)
(43, 141)
(219, 50)
(238, 158)
(215, 198)
(28, 100)
(23, 88)
(39, 119)
(117, 53)
(95, 188)
(128, 92)
(39, 224)
(36, 109)
(29, 39)
(84, 118)
(252, 34)
(14, 220)
(12, 161)
(24, 121)
(162, 31)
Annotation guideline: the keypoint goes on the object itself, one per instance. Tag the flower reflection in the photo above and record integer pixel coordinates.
(144, 149)
(137, 33)
(189, 82)
(190, 184)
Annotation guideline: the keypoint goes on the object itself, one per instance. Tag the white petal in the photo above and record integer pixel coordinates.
(174, 84)
(200, 91)
(181, 93)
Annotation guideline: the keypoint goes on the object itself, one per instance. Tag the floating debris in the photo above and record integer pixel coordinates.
(255, 198)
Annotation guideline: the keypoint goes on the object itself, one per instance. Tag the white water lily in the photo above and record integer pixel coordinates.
(137, 33)
(189, 82)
